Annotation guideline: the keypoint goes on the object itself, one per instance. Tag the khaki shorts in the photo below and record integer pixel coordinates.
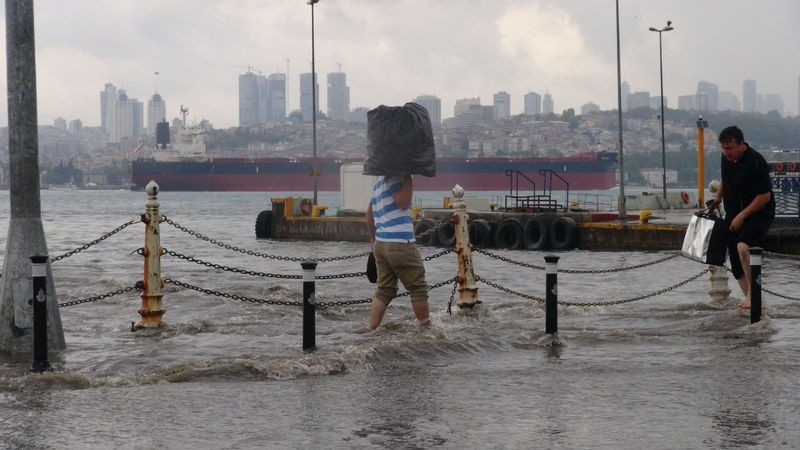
(399, 260)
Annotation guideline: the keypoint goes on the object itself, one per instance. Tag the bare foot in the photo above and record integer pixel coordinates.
(745, 304)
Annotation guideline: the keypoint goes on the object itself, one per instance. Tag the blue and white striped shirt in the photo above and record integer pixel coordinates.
(392, 224)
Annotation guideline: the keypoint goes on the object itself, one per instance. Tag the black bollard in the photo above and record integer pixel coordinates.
(309, 302)
(39, 275)
(755, 284)
(551, 296)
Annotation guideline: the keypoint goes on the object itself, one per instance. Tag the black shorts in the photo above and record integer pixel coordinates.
(753, 232)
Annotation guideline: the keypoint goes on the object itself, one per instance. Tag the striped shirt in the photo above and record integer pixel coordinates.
(392, 224)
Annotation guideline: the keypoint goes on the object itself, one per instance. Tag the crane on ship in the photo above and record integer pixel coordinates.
(184, 111)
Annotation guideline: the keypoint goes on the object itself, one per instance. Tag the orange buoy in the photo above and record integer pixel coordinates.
(792, 167)
(778, 167)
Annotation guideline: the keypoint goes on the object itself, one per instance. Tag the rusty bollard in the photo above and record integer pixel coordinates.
(468, 290)
(152, 309)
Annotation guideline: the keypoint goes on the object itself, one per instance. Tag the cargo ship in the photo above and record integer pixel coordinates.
(187, 167)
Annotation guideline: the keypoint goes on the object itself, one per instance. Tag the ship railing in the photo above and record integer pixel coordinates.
(548, 175)
(586, 201)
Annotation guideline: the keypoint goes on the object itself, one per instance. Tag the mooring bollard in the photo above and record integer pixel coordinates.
(719, 291)
(152, 307)
(755, 284)
(551, 296)
(39, 275)
(309, 302)
(468, 290)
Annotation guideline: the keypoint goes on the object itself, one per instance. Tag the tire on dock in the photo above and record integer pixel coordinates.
(264, 225)
(508, 234)
(446, 234)
(564, 233)
(480, 233)
(425, 224)
(536, 233)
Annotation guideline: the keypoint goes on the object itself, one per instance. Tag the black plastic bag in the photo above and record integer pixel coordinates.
(400, 141)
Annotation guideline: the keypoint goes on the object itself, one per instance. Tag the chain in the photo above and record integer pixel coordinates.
(615, 269)
(259, 254)
(368, 300)
(782, 255)
(436, 255)
(452, 296)
(136, 287)
(794, 299)
(604, 303)
(433, 229)
(96, 241)
(230, 296)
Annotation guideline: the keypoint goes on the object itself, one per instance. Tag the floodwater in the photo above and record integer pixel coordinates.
(672, 371)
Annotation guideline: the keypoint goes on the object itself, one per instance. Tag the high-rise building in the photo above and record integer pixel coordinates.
(639, 99)
(773, 102)
(749, 96)
(137, 117)
(626, 93)
(655, 102)
(533, 103)
(156, 113)
(547, 104)
(433, 104)
(108, 97)
(707, 96)
(276, 97)
(798, 96)
(338, 96)
(590, 107)
(306, 102)
(75, 126)
(122, 113)
(686, 102)
(502, 105)
(249, 98)
(728, 101)
(463, 105)
(60, 123)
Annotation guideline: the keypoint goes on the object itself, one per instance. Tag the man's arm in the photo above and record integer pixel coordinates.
(370, 223)
(752, 208)
(717, 197)
(403, 195)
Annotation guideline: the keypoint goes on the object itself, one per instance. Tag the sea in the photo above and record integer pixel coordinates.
(675, 370)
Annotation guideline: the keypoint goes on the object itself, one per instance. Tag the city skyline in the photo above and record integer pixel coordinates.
(541, 46)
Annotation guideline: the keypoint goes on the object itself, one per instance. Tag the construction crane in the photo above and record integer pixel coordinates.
(249, 68)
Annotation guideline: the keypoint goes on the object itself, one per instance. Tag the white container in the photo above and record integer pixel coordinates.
(355, 187)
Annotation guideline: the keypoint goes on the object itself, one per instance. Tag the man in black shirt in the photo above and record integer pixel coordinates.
(746, 192)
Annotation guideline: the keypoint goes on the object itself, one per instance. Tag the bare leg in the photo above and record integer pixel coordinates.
(376, 310)
(744, 282)
(421, 310)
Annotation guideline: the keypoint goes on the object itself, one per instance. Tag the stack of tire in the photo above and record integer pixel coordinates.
(535, 233)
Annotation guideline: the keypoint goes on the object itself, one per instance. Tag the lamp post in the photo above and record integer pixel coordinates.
(313, 103)
(623, 213)
(663, 145)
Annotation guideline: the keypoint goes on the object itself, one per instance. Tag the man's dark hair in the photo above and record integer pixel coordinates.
(732, 133)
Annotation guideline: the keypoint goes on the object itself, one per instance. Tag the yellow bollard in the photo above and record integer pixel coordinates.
(701, 125)
(467, 291)
(152, 309)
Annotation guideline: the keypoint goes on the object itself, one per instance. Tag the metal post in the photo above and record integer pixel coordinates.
(313, 102)
(468, 290)
(25, 229)
(152, 308)
(623, 213)
(551, 296)
(39, 275)
(701, 125)
(663, 142)
(309, 305)
(755, 284)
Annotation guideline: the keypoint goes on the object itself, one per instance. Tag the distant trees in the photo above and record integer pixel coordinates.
(64, 173)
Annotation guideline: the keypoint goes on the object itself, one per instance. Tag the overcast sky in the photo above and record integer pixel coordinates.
(394, 50)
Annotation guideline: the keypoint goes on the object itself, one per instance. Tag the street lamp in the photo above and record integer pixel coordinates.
(313, 102)
(663, 145)
(623, 212)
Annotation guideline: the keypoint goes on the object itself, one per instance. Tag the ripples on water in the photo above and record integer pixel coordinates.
(674, 371)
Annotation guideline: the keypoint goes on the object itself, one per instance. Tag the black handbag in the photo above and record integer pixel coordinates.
(372, 269)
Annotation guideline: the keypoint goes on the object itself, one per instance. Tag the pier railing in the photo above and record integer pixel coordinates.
(465, 279)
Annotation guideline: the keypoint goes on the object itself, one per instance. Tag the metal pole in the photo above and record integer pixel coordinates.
(663, 145)
(152, 309)
(309, 305)
(39, 275)
(25, 229)
(551, 295)
(755, 284)
(701, 189)
(314, 104)
(468, 292)
(623, 213)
